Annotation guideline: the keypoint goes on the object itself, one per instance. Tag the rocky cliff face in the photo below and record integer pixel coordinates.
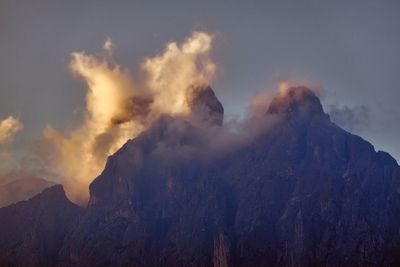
(32, 231)
(304, 193)
(301, 193)
(206, 107)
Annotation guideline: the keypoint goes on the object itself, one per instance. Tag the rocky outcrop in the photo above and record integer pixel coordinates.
(32, 231)
(21, 188)
(206, 106)
(301, 193)
(305, 193)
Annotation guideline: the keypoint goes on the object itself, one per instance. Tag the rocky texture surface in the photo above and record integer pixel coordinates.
(305, 193)
(32, 232)
(302, 193)
(206, 107)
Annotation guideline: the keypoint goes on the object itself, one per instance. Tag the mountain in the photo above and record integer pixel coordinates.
(21, 188)
(293, 189)
(32, 231)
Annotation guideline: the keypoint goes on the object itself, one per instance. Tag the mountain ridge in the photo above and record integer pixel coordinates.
(32, 231)
(299, 191)
(21, 188)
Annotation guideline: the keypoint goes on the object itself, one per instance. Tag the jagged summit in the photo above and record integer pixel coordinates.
(305, 193)
(206, 106)
(21, 188)
(50, 194)
(54, 191)
(32, 231)
(296, 100)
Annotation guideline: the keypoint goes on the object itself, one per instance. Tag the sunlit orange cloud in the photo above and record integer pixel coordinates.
(118, 109)
(284, 82)
(8, 128)
(172, 73)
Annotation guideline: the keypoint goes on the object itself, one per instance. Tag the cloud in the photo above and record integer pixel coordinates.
(190, 140)
(118, 109)
(8, 128)
(108, 45)
(172, 75)
(80, 153)
(260, 102)
(353, 119)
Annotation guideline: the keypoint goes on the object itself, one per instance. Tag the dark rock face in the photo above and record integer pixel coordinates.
(305, 193)
(206, 106)
(298, 101)
(302, 193)
(32, 232)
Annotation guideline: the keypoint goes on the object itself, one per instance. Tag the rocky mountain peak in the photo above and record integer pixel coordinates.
(305, 193)
(296, 100)
(32, 231)
(206, 106)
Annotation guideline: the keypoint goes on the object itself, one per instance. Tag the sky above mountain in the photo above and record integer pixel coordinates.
(346, 49)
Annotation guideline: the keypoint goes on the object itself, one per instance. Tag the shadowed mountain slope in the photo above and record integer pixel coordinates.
(299, 192)
(302, 193)
(32, 231)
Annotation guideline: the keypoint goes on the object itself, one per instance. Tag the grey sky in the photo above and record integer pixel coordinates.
(350, 48)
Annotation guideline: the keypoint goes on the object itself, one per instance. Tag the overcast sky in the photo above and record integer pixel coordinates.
(349, 48)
